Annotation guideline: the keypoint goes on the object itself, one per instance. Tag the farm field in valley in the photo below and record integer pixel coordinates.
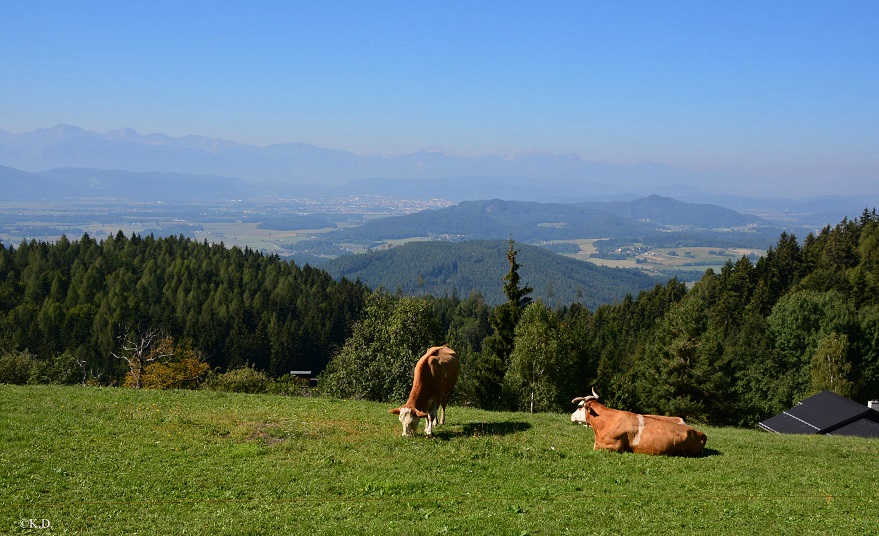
(115, 460)
(684, 258)
(233, 224)
(687, 260)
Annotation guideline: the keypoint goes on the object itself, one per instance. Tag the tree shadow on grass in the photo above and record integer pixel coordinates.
(484, 429)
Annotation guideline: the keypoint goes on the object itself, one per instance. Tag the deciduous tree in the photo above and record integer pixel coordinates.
(830, 365)
(539, 361)
(378, 360)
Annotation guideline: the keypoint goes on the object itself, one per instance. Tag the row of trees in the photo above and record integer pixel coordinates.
(740, 345)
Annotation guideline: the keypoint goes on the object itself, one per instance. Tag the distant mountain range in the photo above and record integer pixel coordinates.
(298, 164)
(445, 268)
(308, 168)
(68, 161)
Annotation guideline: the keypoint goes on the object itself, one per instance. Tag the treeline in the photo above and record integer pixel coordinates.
(742, 344)
(71, 305)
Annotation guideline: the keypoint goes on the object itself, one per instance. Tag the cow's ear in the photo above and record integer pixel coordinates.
(396, 411)
(592, 412)
(420, 414)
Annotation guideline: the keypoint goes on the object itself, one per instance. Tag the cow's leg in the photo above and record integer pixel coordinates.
(614, 445)
(431, 419)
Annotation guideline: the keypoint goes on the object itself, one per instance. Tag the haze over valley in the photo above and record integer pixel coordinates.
(311, 216)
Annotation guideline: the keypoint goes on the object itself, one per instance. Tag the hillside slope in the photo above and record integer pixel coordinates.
(437, 268)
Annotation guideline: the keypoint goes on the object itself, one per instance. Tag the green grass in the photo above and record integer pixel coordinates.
(122, 461)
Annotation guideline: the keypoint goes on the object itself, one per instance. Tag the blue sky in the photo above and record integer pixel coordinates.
(781, 90)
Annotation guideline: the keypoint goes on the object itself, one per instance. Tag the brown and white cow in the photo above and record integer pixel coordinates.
(623, 431)
(436, 373)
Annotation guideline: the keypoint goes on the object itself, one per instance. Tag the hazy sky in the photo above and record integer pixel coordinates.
(775, 89)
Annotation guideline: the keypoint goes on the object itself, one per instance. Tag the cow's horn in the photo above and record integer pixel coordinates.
(579, 398)
(594, 393)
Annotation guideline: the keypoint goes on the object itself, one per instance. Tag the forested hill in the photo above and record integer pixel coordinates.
(445, 268)
(72, 301)
(643, 220)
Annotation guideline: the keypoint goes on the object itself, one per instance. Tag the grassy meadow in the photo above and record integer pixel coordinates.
(122, 461)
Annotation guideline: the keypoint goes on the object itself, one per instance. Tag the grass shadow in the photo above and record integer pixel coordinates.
(483, 429)
(710, 452)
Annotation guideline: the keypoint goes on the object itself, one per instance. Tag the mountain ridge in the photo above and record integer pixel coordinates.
(301, 164)
(533, 222)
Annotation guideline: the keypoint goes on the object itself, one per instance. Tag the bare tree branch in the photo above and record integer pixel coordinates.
(140, 349)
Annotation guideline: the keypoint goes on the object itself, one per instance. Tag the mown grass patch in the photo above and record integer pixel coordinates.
(123, 461)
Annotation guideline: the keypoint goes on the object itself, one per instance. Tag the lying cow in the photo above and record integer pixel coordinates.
(579, 415)
(623, 431)
(436, 373)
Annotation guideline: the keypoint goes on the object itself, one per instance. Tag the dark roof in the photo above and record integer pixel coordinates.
(863, 427)
(826, 413)
(787, 424)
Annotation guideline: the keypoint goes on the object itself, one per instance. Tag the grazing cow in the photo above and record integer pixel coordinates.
(623, 431)
(436, 373)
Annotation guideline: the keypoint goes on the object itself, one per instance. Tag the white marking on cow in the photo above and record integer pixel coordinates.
(429, 423)
(637, 438)
(409, 420)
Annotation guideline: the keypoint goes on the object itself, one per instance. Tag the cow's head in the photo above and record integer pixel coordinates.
(584, 408)
(410, 417)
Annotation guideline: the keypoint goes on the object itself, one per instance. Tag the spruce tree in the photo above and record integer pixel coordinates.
(492, 366)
